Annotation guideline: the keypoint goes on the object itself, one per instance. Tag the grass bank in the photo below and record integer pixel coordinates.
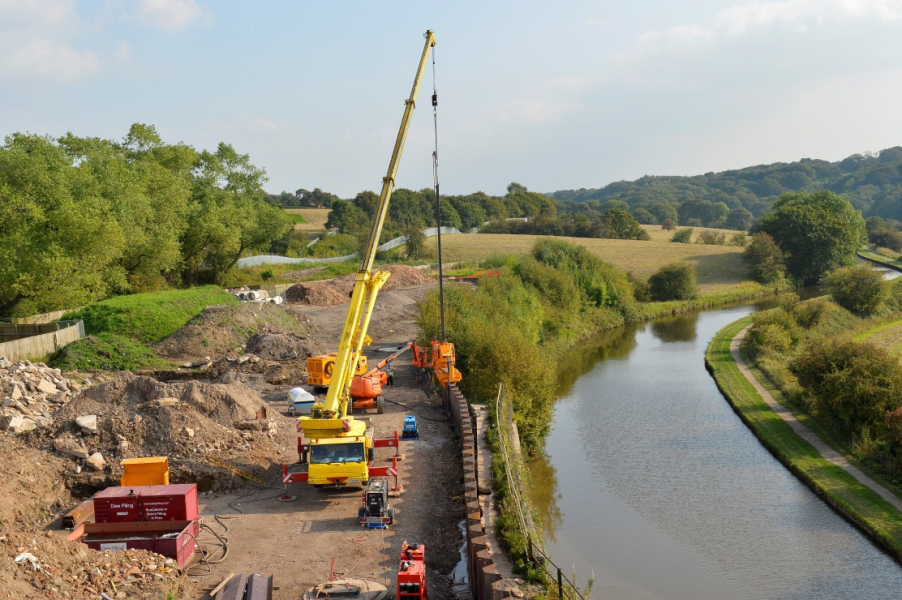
(882, 260)
(150, 317)
(857, 503)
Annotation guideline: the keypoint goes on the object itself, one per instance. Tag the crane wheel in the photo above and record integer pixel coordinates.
(361, 513)
(380, 404)
(391, 515)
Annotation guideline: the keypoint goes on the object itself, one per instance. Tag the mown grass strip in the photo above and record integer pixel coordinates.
(854, 501)
(892, 264)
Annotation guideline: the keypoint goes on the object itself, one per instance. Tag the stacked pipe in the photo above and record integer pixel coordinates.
(485, 581)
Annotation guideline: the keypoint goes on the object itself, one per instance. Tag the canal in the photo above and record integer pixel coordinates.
(652, 482)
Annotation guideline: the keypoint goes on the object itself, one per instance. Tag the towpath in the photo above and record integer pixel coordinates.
(804, 432)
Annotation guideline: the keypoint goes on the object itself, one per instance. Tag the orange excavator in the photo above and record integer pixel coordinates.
(440, 360)
(366, 389)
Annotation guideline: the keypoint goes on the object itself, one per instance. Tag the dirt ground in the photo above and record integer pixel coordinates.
(297, 541)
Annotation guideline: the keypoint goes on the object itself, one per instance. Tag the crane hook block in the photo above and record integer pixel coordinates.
(434, 99)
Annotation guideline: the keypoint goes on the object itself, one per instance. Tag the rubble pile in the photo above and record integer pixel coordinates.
(30, 393)
(48, 565)
(131, 416)
(335, 291)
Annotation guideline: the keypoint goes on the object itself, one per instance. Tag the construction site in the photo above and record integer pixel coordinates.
(307, 447)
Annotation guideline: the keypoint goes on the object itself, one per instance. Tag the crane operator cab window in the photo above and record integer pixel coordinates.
(336, 453)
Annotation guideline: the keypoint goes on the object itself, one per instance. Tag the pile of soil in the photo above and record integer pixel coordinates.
(316, 293)
(221, 329)
(187, 421)
(32, 493)
(336, 291)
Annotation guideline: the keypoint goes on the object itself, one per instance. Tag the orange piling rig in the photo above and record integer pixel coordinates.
(412, 572)
(441, 360)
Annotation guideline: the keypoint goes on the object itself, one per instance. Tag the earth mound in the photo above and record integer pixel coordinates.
(337, 291)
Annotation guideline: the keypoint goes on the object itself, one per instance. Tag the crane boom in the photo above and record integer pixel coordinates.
(330, 417)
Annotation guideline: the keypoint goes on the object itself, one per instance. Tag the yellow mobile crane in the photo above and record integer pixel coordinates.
(339, 448)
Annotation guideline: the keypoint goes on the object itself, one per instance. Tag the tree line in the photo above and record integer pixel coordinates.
(84, 218)
(872, 182)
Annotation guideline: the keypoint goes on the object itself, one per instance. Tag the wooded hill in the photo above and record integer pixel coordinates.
(872, 182)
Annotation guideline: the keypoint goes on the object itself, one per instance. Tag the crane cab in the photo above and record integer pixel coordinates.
(319, 369)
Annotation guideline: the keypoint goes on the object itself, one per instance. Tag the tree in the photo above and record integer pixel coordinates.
(855, 384)
(673, 282)
(682, 236)
(740, 219)
(860, 290)
(668, 225)
(416, 242)
(764, 259)
(623, 225)
(818, 232)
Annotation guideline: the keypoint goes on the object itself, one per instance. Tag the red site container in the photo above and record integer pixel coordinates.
(178, 543)
(146, 503)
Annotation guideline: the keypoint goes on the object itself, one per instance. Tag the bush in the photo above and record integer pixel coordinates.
(673, 282)
(860, 290)
(738, 239)
(774, 331)
(668, 225)
(267, 274)
(809, 313)
(711, 238)
(887, 238)
(640, 287)
(339, 244)
(764, 259)
(854, 384)
(682, 236)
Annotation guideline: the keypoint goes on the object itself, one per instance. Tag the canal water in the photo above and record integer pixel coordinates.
(655, 485)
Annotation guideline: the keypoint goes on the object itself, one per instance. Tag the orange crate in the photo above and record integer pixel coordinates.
(151, 470)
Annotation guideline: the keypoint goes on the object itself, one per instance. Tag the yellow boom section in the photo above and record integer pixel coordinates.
(333, 411)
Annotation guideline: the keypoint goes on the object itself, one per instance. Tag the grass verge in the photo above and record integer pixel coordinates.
(107, 352)
(150, 317)
(873, 257)
(857, 503)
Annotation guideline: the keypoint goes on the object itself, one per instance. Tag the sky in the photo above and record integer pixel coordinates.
(564, 95)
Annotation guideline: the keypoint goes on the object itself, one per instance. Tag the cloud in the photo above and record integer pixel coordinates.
(16, 14)
(539, 111)
(49, 60)
(167, 14)
(741, 19)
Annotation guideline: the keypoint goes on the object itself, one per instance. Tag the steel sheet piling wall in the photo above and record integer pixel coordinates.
(485, 582)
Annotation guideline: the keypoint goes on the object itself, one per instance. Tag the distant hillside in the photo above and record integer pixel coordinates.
(871, 181)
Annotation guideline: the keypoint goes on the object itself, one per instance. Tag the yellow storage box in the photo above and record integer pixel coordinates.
(150, 470)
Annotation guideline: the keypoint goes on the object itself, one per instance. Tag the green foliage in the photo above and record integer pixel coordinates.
(673, 282)
(764, 259)
(711, 238)
(887, 237)
(600, 284)
(622, 225)
(738, 239)
(682, 236)
(818, 232)
(416, 243)
(860, 290)
(149, 317)
(107, 352)
(854, 384)
(85, 218)
(267, 275)
(340, 244)
(772, 332)
(554, 286)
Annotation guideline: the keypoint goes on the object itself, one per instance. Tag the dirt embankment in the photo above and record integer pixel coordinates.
(337, 291)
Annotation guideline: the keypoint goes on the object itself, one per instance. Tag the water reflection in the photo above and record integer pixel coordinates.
(679, 328)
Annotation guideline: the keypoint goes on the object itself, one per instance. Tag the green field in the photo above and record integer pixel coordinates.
(719, 268)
